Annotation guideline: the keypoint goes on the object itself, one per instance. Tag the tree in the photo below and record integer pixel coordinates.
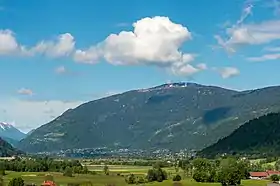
(200, 176)
(106, 170)
(177, 178)
(16, 182)
(277, 165)
(68, 172)
(1, 181)
(274, 178)
(156, 174)
(130, 179)
(85, 170)
(2, 169)
(229, 172)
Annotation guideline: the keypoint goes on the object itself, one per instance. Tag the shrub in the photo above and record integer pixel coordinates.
(130, 179)
(156, 174)
(200, 176)
(2, 172)
(16, 182)
(140, 180)
(274, 178)
(68, 172)
(177, 178)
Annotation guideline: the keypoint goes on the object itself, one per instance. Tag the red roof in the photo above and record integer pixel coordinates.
(273, 172)
(48, 183)
(258, 174)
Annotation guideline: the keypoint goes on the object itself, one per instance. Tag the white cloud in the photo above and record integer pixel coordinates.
(89, 56)
(241, 34)
(254, 34)
(227, 72)
(8, 43)
(25, 91)
(275, 4)
(265, 57)
(62, 46)
(60, 70)
(154, 41)
(27, 115)
(272, 49)
(202, 66)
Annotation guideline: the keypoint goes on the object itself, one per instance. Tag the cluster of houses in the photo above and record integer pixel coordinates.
(263, 175)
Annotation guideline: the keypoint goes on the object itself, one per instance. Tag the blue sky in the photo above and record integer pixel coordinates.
(55, 55)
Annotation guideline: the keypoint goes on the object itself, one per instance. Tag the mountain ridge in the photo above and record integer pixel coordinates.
(157, 117)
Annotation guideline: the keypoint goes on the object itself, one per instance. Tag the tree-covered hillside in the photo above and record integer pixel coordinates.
(259, 136)
(7, 150)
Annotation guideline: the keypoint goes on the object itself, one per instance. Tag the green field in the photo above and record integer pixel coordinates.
(103, 180)
(121, 168)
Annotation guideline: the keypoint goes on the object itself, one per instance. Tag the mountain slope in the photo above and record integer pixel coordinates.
(180, 115)
(258, 136)
(7, 150)
(10, 132)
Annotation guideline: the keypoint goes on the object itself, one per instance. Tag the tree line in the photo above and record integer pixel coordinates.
(42, 165)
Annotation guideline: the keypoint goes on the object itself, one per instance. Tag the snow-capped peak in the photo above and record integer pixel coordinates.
(5, 126)
(7, 130)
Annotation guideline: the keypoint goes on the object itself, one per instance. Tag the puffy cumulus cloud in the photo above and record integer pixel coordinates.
(27, 115)
(153, 41)
(62, 46)
(265, 57)
(89, 56)
(25, 91)
(8, 43)
(227, 72)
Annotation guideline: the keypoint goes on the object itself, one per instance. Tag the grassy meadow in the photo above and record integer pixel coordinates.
(113, 179)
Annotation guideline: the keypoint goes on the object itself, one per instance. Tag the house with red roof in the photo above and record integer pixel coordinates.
(258, 175)
(270, 172)
(263, 175)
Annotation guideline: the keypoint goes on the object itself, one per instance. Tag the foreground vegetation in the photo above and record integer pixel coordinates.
(103, 180)
(195, 172)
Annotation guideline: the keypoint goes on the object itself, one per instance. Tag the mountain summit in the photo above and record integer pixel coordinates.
(174, 116)
(11, 134)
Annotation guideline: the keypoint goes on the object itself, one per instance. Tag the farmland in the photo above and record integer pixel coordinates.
(113, 179)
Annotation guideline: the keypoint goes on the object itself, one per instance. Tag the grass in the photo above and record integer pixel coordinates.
(121, 168)
(102, 180)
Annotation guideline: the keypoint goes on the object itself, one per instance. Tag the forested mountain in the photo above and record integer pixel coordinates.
(259, 136)
(175, 116)
(7, 150)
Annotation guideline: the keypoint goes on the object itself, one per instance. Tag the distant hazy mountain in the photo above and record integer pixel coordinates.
(8, 131)
(174, 116)
(260, 136)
